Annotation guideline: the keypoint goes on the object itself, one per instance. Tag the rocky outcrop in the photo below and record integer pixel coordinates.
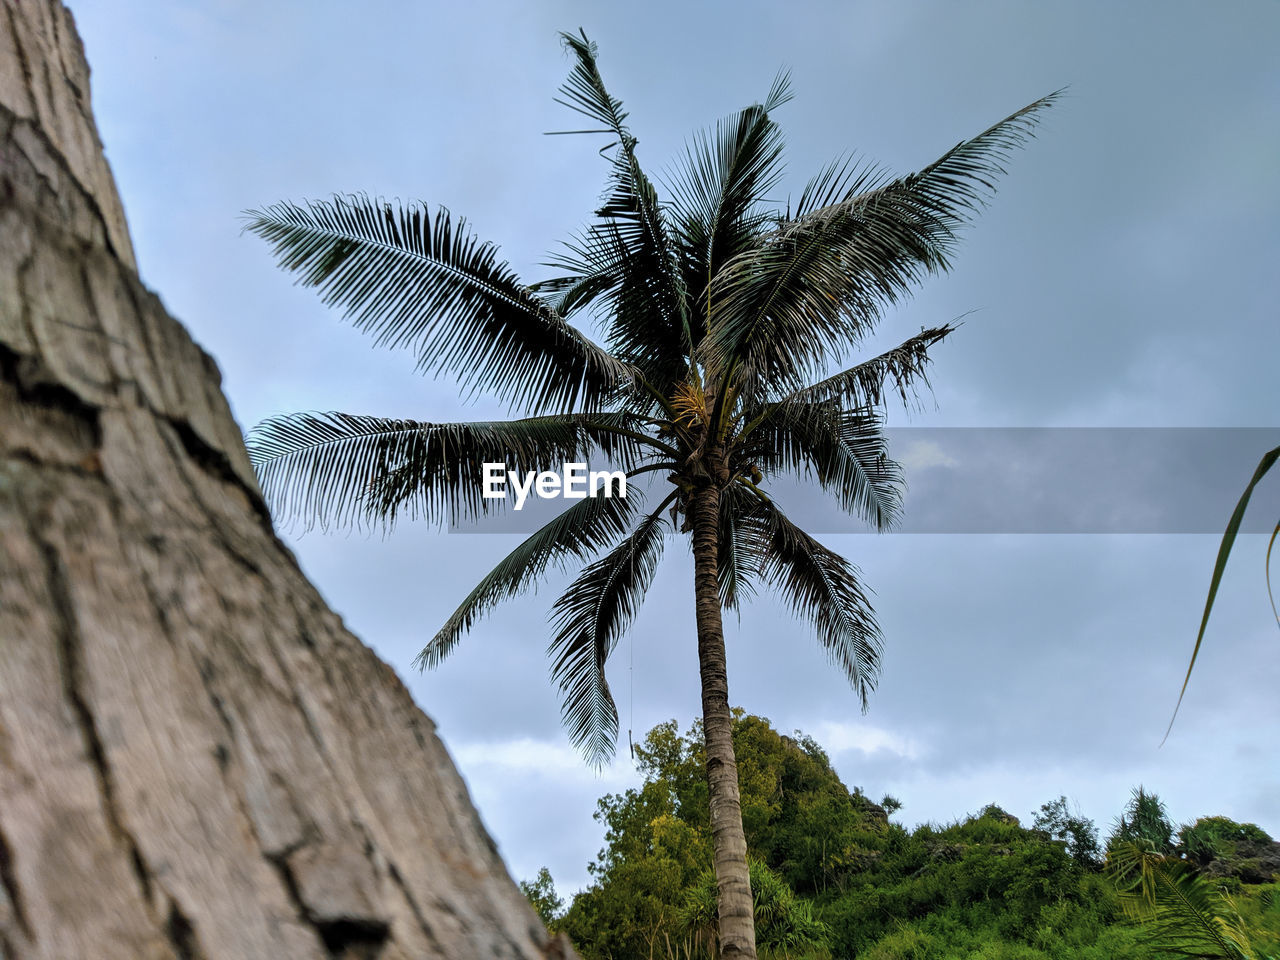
(197, 761)
(1250, 861)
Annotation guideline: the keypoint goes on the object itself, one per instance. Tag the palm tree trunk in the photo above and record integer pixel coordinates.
(729, 842)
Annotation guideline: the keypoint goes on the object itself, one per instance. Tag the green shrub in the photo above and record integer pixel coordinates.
(907, 943)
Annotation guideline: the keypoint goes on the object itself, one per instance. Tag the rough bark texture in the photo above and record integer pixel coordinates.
(729, 843)
(197, 761)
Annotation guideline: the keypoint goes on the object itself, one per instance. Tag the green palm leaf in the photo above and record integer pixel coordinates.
(864, 384)
(842, 179)
(423, 282)
(717, 197)
(1185, 914)
(593, 264)
(579, 533)
(783, 309)
(612, 270)
(742, 547)
(342, 470)
(823, 588)
(1220, 565)
(589, 618)
(844, 450)
(649, 327)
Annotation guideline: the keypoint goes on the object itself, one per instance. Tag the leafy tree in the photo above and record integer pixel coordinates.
(658, 842)
(1078, 832)
(799, 818)
(652, 857)
(1144, 821)
(1212, 838)
(541, 892)
(720, 318)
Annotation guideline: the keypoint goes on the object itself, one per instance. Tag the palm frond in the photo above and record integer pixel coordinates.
(586, 282)
(341, 470)
(423, 282)
(842, 179)
(589, 618)
(741, 547)
(782, 310)
(579, 533)
(1185, 915)
(613, 270)
(584, 90)
(627, 258)
(845, 451)
(823, 588)
(726, 175)
(864, 384)
(1220, 565)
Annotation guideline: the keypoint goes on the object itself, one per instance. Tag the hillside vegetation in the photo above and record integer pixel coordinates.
(834, 877)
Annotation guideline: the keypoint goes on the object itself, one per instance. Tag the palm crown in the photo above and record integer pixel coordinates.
(718, 318)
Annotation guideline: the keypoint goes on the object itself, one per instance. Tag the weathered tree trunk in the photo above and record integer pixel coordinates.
(196, 760)
(729, 843)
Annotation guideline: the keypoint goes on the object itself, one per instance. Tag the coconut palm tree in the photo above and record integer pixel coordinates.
(719, 319)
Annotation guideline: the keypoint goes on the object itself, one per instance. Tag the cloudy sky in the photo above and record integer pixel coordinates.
(1125, 276)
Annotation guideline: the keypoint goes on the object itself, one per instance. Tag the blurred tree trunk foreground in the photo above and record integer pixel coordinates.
(196, 760)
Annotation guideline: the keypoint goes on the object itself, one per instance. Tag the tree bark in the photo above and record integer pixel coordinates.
(729, 842)
(197, 761)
